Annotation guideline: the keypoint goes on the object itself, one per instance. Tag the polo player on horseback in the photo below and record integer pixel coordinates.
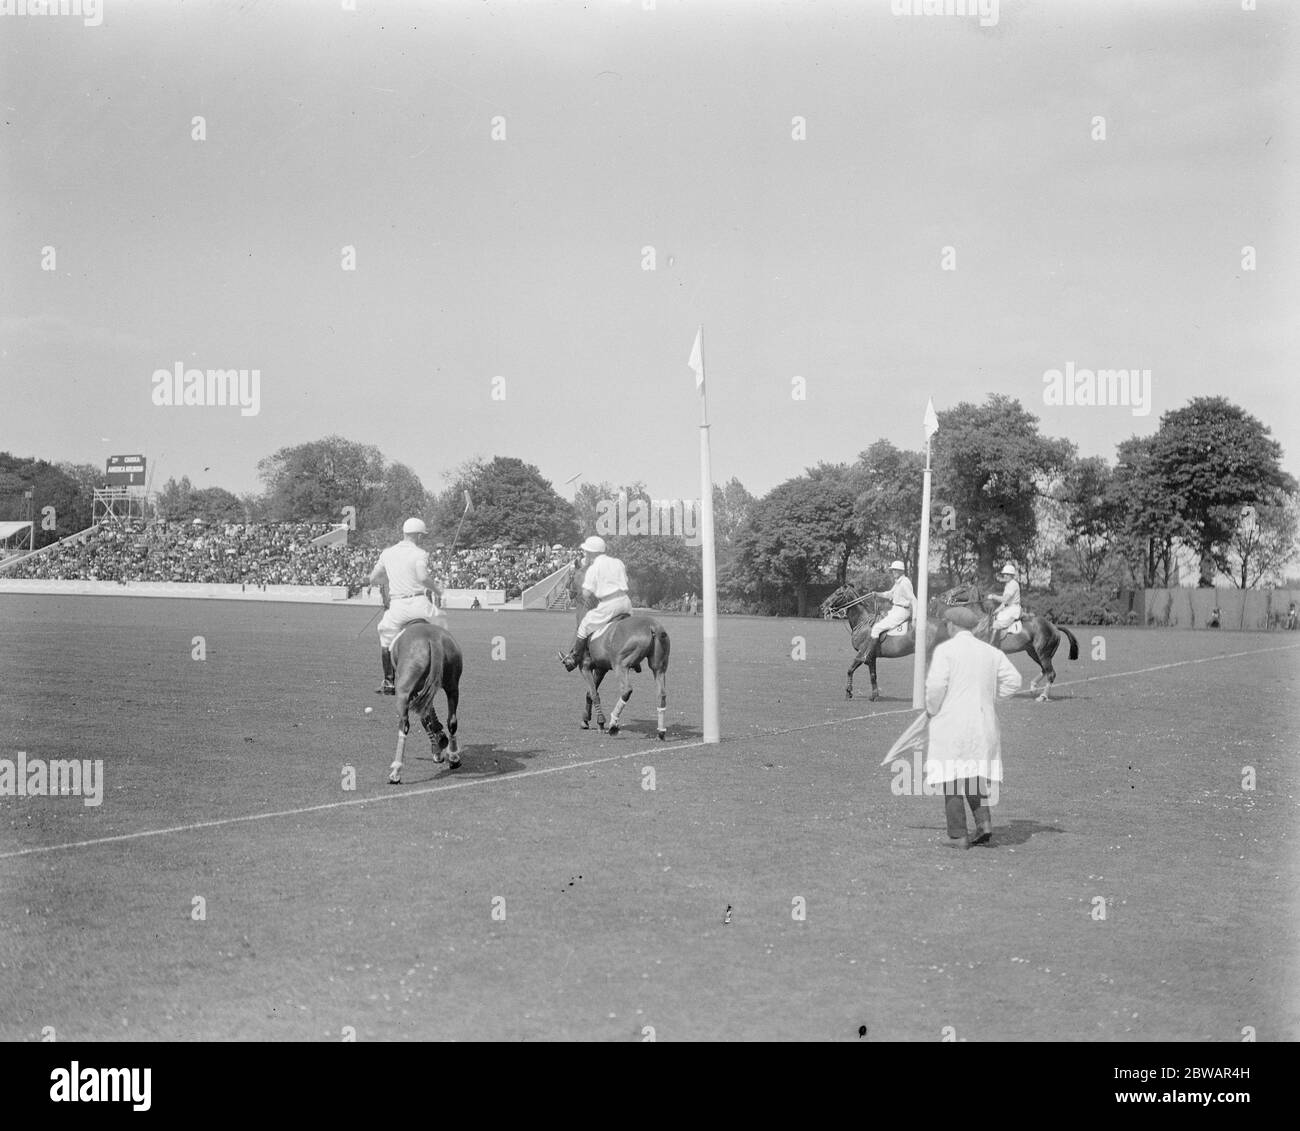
(1008, 610)
(402, 573)
(605, 580)
(904, 601)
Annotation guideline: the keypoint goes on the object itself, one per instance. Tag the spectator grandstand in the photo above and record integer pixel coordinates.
(270, 554)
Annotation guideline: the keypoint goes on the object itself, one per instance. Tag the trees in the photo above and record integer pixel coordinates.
(50, 487)
(513, 503)
(887, 508)
(316, 481)
(659, 568)
(1211, 458)
(1189, 483)
(731, 508)
(1147, 519)
(313, 482)
(991, 464)
(1091, 516)
(182, 502)
(1263, 543)
(799, 533)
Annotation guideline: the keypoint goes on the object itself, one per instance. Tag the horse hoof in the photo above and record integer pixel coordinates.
(394, 778)
(586, 726)
(437, 756)
(662, 735)
(875, 695)
(848, 695)
(1042, 698)
(454, 762)
(613, 731)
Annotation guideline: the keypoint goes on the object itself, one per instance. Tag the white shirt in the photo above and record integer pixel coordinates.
(605, 577)
(901, 593)
(1011, 594)
(407, 567)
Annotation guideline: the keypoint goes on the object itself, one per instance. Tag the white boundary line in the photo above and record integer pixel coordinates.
(382, 798)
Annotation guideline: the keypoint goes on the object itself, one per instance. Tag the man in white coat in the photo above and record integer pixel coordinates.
(967, 677)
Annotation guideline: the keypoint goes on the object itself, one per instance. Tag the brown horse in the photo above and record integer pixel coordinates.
(622, 648)
(964, 605)
(847, 601)
(426, 658)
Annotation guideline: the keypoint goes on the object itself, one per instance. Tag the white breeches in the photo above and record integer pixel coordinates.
(1007, 617)
(898, 614)
(602, 614)
(401, 613)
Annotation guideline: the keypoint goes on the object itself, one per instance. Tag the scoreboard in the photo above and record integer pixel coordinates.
(125, 471)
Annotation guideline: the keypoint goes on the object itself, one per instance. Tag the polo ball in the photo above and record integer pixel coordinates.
(370, 710)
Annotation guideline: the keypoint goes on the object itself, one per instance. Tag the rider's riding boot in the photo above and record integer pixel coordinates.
(390, 673)
(575, 655)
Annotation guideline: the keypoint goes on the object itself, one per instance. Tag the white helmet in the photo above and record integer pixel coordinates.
(898, 565)
(1007, 569)
(594, 545)
(414, 526)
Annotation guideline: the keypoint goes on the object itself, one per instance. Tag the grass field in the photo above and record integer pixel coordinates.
(372, 909)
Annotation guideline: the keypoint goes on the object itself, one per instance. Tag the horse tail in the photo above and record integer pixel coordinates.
(659, 649)
(1074, 644)
(424, 691)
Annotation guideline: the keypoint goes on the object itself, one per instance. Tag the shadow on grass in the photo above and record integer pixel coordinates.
(647, 729)
(1018, 832)
(1010, 833)
(478, 760)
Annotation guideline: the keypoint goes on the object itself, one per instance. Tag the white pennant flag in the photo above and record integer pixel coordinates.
(697, 359)
(931, 419)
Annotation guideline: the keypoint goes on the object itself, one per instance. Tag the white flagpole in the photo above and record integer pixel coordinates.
(922, 585)
(712, 728)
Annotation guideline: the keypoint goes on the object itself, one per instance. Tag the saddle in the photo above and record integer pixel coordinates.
(604, 628)
(984, 630)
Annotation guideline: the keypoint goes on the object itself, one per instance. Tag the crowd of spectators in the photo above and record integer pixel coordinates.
(270, 554)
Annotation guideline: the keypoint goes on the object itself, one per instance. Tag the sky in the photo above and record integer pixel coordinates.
(502, 170)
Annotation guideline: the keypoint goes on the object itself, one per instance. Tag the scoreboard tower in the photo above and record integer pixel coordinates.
(122, 498)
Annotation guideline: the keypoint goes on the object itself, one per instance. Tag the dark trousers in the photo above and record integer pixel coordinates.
(976, 792)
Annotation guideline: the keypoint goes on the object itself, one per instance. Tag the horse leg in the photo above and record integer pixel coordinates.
(1042, 656)
(433, 727)
(624, 694)
(858, 661)
(661, 685)
(403, 725)
(596, 677)
(586, 712)
(871, 667)
(452, 688)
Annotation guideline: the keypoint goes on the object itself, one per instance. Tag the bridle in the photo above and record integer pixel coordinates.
(841, 612)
